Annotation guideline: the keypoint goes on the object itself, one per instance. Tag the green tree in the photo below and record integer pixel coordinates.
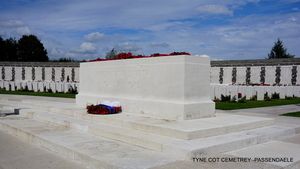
(112, 54)
(30, 48)
(8, 49)
(2, 49)
(279, 51)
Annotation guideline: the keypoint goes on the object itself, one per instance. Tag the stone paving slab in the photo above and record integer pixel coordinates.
(16, 153)
(283, 154)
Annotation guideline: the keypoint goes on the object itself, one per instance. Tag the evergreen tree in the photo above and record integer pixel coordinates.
(279, 51)
(8, 50)
(2, 49)
(31, 49)
(112, 54)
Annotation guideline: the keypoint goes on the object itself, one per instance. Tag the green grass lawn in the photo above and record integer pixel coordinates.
(219, 105)
(65, 95)
(254, 104)
(293, 114)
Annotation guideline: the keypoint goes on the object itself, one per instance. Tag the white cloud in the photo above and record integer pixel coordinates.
(215, 9)
(128, 47)
(12, 23)
(22, 31)
(86, 47)
(94, 37)
(57, 52)
(163, 44)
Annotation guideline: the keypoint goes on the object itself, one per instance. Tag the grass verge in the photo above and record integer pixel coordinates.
(293, 114)
(255, 104)
(64, 95)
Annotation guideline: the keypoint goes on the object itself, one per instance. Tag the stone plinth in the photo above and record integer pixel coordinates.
(174, 87)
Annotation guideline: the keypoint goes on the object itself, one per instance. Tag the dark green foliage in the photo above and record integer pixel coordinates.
(8, 50)
(242, 100)
(275, 96)
(31, 49)
(254, 104)
(64, 59)
(292, 114)
(65, 95)
(49, 90)
(233, 99)
(266, 97)
(26, 49)
(225, 98)
(72, 90)
(25, 89)
(279, 51)
(112, 54)
(288, 98)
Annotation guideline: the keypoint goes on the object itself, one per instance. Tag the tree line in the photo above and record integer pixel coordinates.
(30, 49)
(27, 48)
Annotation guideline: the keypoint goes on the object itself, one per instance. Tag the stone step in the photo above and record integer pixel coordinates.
(186, 149)
(205, 147)
(181, 129)
(84, 148)
(127, 135)
(201, 147)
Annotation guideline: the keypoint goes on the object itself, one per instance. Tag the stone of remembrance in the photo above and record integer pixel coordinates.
(173, 87)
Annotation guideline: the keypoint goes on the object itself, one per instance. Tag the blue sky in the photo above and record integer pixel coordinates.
(221, 29)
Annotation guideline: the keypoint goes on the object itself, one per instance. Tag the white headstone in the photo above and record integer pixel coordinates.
(53, 87)
(281, 91)
(260, 90)
(296, 91)
(35, 86)
(249, 92)
(29, 85)
(59, 87)
(1, 84)
(41, 87)
(18, 85)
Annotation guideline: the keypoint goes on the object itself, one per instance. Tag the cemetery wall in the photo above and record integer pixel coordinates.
(236, 76)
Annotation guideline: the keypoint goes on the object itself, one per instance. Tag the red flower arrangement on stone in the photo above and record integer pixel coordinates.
(102, 109)
(130, 56)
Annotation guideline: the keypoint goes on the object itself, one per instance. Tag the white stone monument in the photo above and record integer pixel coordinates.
(174, 87)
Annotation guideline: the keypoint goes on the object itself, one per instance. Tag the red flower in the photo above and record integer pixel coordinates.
(239, 95)
(130, 56)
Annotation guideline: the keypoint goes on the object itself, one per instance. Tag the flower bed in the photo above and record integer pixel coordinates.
(130, 56)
